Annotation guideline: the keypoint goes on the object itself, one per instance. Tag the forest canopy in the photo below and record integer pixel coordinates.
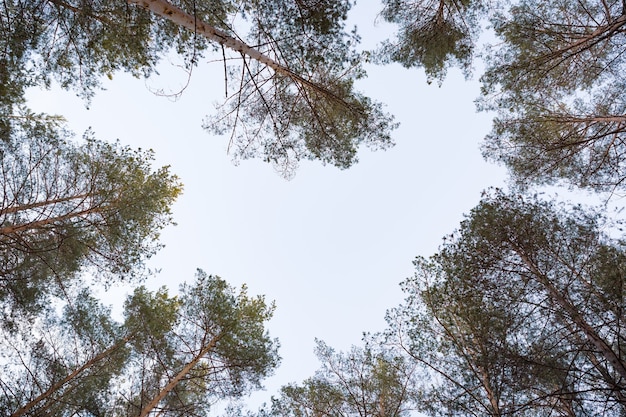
(519, 312)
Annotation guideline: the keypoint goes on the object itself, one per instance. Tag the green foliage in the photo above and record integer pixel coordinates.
(237, 320)
(554, 77)
(557, 84)
(314, 111)
(432, 34)
(77, 43)
(303, 123)
(366, 381)
(149, 317)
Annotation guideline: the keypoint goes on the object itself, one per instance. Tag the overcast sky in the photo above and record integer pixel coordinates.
(330, 246)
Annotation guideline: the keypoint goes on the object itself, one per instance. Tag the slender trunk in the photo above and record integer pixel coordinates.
(616, 389)
(587, 41)
(58, 385)
(472, 356)
(593, 337)
(180, 375)
(176, 15)
(495, 406)
(463, 352)
(440, 9)
(584, 119)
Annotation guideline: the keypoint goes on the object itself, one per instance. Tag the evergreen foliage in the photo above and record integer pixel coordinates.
(557, 85)
(521, 311)
(433, 35)
(365, 381)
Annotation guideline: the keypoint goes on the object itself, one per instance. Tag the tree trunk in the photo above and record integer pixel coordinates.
(30, 206)
(588, 41)
(565, 118)
(178, 16)
(7, 230)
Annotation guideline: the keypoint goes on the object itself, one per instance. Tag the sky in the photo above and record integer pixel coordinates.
(330, 247)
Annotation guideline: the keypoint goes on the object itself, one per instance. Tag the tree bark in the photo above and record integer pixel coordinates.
(588, 41)
(30, 206)
(8, 230)
(178, 16)
(584, 119)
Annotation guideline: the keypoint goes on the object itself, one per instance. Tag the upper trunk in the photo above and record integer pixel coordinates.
(179, 376)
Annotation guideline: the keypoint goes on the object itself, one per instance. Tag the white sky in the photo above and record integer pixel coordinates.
(330, 246)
